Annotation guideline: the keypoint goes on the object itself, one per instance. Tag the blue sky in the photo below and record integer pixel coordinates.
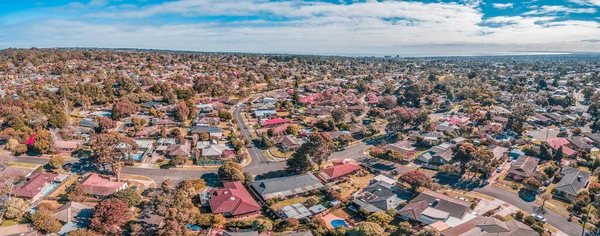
(340, 27)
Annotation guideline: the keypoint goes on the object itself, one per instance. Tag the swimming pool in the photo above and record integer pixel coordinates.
(339, 223)
(137, 157)
(50, 188)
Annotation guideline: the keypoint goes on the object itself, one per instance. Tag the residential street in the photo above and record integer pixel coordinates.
(554, 219)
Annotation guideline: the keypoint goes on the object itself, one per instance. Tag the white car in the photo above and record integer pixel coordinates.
(499, 169)
(538, 217)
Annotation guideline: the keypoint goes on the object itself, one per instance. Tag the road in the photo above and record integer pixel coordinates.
(259, 164)
(552, 218)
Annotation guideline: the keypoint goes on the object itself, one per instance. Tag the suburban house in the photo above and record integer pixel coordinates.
(556, 143)
(338, 170)
(211, 149)
(581, 143)
(286, 186)
(66, 146)
(98, 186)
(273, 122)
(430, 207)
(289, 142)
(490, 226)
(380, 197)
(183, 149)
(215, 132)
(233, 200)
(572, 180)
(74, 216)
(403, 147)
(523, 167)
(437, 155)
(37, 185)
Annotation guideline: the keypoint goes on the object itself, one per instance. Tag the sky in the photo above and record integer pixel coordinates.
(324, 27)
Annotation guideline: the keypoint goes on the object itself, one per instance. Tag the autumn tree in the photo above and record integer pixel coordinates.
(338, 114)
(45, 222)
(105, 124)
(123, 109)
(43, 142)
(77, 193)
(545, 197)
(416, 179)
(81, 232)
(112, 149)
(399, 118)
(182, 112)
(109, 216)
(15, 208)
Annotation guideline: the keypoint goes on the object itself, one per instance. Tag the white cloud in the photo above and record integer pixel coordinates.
(586, 2)
(502, 5)
(559, 9)
(365, 28)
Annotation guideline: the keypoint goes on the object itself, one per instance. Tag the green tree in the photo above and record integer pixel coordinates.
(558, 155)
(545, 153)
(428, 231)
(177, 161)
(262, 225)
(225, 115)
(231, 171)
(366, 229)
(129, 196)
(56, 162)
(81, 232)
(380, 218)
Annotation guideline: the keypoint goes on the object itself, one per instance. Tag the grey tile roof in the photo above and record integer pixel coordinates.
(573, 180)
(287, 186)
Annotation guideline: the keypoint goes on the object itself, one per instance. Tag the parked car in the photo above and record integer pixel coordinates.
(538, 217)
(499, 169)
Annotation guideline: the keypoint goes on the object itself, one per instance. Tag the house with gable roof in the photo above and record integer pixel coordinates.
(571, 182)
(523, 167)
(233, 200)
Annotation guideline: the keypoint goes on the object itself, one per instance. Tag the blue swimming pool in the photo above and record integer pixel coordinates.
(339, 223)
(137, 157)
(49, 189)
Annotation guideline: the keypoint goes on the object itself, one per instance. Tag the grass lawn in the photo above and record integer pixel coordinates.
(8, 223)
(287, 202)
(26, 165)
(279, 153)
(62, 189)
(355, 183)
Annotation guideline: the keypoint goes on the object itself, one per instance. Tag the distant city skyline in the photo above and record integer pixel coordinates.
(331, 27)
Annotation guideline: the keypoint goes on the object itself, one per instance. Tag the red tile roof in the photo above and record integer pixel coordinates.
(274, 121)
(233, 198)
(96, 185)
(340, 170)
(34, 185)
(555, 143)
